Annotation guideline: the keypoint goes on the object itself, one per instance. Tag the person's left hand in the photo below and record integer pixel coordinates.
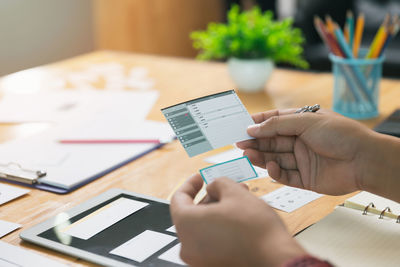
(231, 228)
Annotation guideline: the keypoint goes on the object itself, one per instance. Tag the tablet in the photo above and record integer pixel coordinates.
(116, 228)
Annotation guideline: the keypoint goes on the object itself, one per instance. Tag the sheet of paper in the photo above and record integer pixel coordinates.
(63, 105)
(7, 227)
(172, 255)
(9, 192)
(238, 170)
(12, 256)
(289, 198)
(233, 154)
(209, 122)
(98, 129)
(143, 245)
(172, 229)
(103, 218)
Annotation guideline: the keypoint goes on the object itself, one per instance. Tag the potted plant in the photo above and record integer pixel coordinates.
(252, 42)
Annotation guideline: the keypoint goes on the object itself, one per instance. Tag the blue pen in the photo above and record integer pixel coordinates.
(357, 72)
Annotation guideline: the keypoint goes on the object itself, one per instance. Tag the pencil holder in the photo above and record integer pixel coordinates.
(356, 86)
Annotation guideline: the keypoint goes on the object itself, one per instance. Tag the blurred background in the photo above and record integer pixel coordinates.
(43, 31)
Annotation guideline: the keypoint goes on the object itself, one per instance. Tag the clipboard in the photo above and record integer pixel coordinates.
(34, 180)
(42, 162)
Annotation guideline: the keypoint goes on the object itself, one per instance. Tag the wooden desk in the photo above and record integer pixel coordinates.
(159, 172)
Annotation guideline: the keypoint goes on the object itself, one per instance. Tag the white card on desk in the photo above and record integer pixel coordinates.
(8, 193)
(7, 227)
(289, 198)
(173, 255)
(232, 154)
(11, 256)
(143, 245)
(209, 122)
(103, 218)
(239, 170)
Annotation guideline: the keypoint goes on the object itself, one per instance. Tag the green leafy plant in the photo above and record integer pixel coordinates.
(249, 35)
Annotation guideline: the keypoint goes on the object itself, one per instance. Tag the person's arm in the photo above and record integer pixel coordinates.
(324, 152)
(233, 228)
(381, 166)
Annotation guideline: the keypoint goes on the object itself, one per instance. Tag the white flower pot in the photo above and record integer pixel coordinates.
(250, 75)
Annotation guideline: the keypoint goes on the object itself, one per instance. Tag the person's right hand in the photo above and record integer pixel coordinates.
(322, 151)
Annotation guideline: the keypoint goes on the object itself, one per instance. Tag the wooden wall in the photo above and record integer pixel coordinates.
(153, 26)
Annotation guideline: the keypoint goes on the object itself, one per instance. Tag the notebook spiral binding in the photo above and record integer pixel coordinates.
(366, 208)
(382, 214)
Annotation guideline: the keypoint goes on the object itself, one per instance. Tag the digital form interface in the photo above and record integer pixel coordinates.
(238, 170)
(209, 122)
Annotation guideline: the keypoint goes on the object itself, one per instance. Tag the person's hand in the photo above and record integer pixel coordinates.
(319, 151)
(231, 228)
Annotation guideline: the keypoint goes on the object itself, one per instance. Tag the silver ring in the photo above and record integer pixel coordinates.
(313, 108)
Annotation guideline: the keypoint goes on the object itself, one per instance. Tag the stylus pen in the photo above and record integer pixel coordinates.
(111, 141)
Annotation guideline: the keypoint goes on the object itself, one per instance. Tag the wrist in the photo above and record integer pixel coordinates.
(280, 252)
(306, 261)
(379, 168)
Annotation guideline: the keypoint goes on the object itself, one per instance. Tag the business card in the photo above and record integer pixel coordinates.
(209, 122)
(238, 170)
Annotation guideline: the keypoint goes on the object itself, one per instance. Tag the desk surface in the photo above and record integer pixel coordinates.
(160, 172)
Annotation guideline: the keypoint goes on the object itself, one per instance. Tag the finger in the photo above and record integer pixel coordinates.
(185, 195)
(221, 187)
(289, 125)
(245, 186)
(287, 177)
(262, 116)
(284, 160)
(274, 144)
(206, 200)
(256, 157)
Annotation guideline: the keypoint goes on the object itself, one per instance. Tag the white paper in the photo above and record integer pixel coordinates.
(63, 105)
(8, 193)
(238, 170)
(233, 154)
(172, 255)
(172, 229)
(143, 245)
(12, 256)
(289, 198)
(98, 129)
(209, 122)
(7, 227)
(103, 218)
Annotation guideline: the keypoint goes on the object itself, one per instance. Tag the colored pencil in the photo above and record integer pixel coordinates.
(358, 35)
(392, 33)
(329, 24)
(350, 25)
(327, 37)
(378, 37)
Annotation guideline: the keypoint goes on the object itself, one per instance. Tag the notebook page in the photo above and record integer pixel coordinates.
(361, 200)
(347, 238)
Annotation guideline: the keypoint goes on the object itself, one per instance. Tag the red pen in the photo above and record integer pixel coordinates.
(111, 141)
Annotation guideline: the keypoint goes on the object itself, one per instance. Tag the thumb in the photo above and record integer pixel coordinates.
(286, 125)
(221, 187)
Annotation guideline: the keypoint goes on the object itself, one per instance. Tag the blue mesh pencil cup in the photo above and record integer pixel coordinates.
(356, 86)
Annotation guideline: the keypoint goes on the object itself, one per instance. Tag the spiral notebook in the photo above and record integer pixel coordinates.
(365, 231)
